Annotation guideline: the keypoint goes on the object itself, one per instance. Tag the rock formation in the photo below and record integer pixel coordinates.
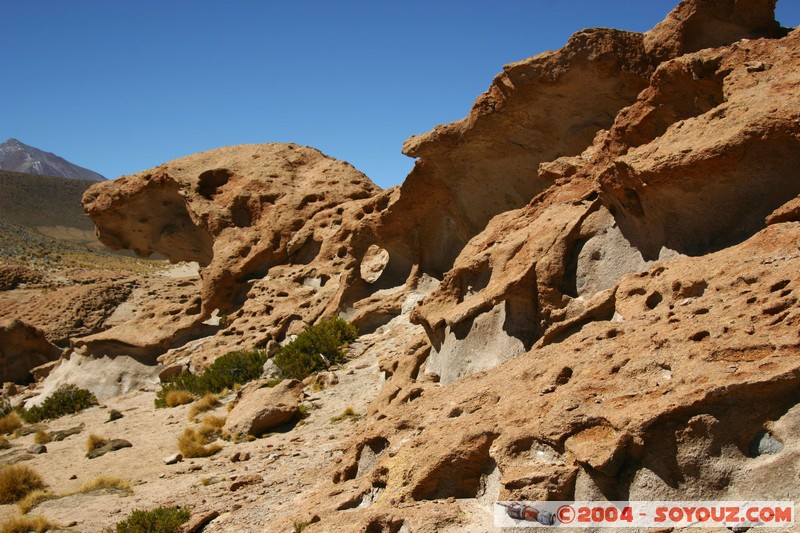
(584, 289)
(23, 347)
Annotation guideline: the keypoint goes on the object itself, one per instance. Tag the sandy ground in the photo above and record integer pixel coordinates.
(286, 461)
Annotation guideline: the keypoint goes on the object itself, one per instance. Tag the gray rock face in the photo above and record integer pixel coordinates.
(765, 444)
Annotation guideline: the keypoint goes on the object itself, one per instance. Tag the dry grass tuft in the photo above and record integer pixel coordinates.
(206, 403)
(10, 423)
(193, 444)
(211, 428)
(17, 481)
(177, 397)
(25, 524)
(33, 499)
(105, 482)
(347, 414)
(95, 441)
(42, 437)
(4, 444)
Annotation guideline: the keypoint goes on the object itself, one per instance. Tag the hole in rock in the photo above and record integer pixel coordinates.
(210, 181)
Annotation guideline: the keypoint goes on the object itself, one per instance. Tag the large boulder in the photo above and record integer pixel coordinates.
(261, 409)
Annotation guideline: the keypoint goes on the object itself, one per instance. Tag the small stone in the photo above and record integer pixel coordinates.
(36, 449)
(73, 476)
(173, 459)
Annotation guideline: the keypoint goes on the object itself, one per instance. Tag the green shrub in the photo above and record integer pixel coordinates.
(233, 368)
(66, 400)
(159, 520)
(316, 348)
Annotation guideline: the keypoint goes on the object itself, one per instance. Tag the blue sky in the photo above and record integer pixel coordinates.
(119, 87)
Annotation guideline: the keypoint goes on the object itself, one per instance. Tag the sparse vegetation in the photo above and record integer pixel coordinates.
(206, 403)
(348, 414)
(95, 441)
(10, 423)
(211, 428)
(67, 400)
(113, 414)
(105, 482)
(316, 348)
(192, 443)
(26, 524)
(299, 527)
(17, 481)
(36, 497)
(4, 444)
(159, 520)
(234, 368)
(42, 437)
(177, 397)
(32, 499)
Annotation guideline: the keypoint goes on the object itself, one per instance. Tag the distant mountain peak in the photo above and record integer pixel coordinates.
(17, 156)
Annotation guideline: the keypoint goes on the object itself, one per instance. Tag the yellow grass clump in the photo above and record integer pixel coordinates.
(10, 423)
(33, 499)
(42, 437)
(193, 444)
(347, 414)
(17, 481)
(25, 524)
(206, 403)
(95, 441)
(105, 482)
(177, 397)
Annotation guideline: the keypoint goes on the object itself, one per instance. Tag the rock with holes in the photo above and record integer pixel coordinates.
(279, 232)
(261, 409)
(236, 211)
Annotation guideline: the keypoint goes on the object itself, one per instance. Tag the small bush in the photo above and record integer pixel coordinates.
(42, 437)
(94, 442)
(206, 403)
(113, 414)
(67, 400)
(177, 397)
(17, 481)
(159, 520)
(25, 524)
(316, 348)
(10, 423)
(193, 444)
(234, 368)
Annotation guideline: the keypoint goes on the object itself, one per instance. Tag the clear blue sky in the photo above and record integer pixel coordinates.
(121, 86)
